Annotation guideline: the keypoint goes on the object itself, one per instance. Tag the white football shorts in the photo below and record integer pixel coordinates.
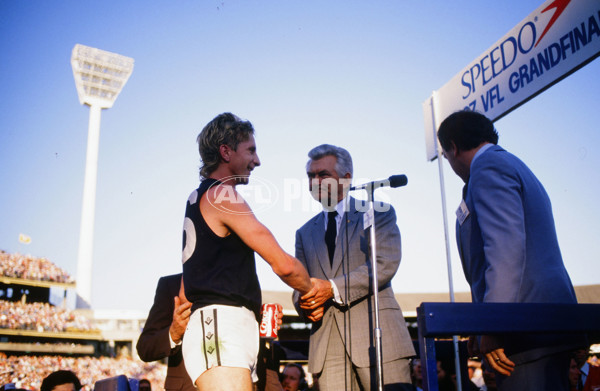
(221, 335)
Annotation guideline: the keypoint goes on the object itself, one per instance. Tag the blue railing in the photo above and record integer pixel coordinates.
(448, 319)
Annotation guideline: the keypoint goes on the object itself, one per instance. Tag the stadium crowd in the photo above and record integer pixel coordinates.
(27, 372)
(42, 317)
(31, 268)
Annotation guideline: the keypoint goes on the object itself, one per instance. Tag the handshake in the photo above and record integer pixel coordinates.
(313, 302)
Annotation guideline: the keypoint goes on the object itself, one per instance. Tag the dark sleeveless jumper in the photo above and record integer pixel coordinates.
(216, 270)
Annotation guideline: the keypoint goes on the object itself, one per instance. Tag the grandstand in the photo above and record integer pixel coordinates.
(40, 334)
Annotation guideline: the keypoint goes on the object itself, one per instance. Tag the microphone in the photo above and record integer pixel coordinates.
(393, 181)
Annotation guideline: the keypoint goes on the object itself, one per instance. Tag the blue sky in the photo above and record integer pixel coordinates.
(351, 73)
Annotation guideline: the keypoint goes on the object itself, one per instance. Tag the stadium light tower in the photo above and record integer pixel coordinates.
(99, 78)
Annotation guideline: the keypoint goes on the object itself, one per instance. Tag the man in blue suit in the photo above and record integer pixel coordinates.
(341, 347)
(509, 250)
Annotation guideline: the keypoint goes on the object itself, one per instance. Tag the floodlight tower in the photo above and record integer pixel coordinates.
(99, 78)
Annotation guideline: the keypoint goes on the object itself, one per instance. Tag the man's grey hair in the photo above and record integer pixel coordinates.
(343, 164)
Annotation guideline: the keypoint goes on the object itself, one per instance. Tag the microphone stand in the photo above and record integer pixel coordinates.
(369, 221)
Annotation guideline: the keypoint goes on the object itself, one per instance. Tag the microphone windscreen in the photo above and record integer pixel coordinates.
(398, 180)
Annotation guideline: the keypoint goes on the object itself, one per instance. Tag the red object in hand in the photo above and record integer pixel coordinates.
(268, 326)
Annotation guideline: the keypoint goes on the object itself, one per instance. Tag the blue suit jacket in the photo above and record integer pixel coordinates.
(507, 242)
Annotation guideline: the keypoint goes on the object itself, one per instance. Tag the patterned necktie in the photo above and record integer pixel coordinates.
(330, 234)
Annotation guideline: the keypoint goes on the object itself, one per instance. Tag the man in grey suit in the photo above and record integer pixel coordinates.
(342, 352)
(509, 250)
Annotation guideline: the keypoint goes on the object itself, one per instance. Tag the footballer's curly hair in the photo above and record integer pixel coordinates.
(224, 129)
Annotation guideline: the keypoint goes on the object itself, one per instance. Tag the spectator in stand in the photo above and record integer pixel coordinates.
(447, 377)
(416, 375)
(293, 378)
(144, 385)
(589, 375)
(61, 380)
(575, 376)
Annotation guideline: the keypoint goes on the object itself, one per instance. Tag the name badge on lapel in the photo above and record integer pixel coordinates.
(462, 212)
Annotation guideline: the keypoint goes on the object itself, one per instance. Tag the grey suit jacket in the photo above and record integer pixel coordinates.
(154, 343)
(508, 243)
(351, 273)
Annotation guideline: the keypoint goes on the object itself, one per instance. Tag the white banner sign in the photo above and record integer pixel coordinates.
(554, 41)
